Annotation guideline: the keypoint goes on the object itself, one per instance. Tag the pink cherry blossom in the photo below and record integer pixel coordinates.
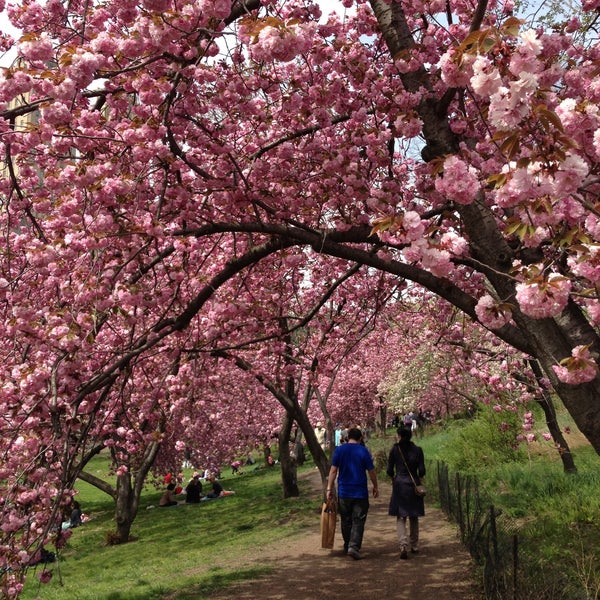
(530, 43)
(39, 49)
(216, 8)
(45, 575)
(593, 309)
(545, 298)
(490, 314)
(570, 175)
(458, 182)
(454, 74)
(596, 141)
(509, 105)
(486, 79)
(282, 43)
(580, 367)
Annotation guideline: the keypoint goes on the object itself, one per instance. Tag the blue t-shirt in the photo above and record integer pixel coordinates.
(353, 461)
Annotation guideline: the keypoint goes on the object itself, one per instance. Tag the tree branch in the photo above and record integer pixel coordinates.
(98, 483)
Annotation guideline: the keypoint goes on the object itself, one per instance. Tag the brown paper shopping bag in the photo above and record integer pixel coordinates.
(328, 520)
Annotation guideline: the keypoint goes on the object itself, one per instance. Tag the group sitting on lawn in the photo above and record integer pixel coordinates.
(193, 492)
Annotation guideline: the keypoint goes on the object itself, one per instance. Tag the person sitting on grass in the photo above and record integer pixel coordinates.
(217, 489)
(75, 516)
(168, 498)
(193, 490)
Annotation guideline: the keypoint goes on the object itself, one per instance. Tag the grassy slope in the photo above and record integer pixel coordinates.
(556, 515)
(183, 552)
(173, 545)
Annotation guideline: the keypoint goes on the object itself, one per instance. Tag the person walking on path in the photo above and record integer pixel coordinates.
(350, 464)
(321, 434)
(406, 467)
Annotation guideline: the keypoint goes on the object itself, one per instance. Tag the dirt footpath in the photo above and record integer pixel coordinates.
(304, 571)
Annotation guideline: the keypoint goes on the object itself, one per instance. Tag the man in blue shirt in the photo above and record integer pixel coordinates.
(350, 464)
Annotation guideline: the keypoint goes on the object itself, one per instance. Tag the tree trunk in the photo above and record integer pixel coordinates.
(298, 448)
(128, 490)
(317, 453)
(126, 503)
(289, 469)
(550, 413)
(561, 444)
(124, 515)
(381, 420)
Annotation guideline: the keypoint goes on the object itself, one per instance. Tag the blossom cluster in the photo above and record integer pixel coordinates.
(544, 298)
(579, 368)
(212, 210)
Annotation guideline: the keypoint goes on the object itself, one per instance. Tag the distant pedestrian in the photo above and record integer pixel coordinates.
(337, 440)
(321, 434)
(406, 459)
(352, 462)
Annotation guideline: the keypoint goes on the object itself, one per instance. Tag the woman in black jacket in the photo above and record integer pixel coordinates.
(405, 503)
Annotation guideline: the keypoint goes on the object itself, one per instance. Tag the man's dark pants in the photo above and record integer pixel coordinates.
(353, 514)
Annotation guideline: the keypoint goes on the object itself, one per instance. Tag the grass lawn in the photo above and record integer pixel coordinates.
(188, 551)
(556, 515)
(180, 552)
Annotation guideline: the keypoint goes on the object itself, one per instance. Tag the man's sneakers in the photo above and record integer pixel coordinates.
(404, 553)
(354, 553)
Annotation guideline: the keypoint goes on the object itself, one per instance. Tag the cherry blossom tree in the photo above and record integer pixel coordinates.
(451, 365)
(318, 333)
(355, 399)
(209, 418)
(155, 153)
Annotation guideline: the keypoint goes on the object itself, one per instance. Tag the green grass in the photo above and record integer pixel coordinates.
(179, 553)
(556, 515)
(187, 552)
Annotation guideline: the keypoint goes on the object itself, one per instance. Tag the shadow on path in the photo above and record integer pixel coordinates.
(442, 570)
